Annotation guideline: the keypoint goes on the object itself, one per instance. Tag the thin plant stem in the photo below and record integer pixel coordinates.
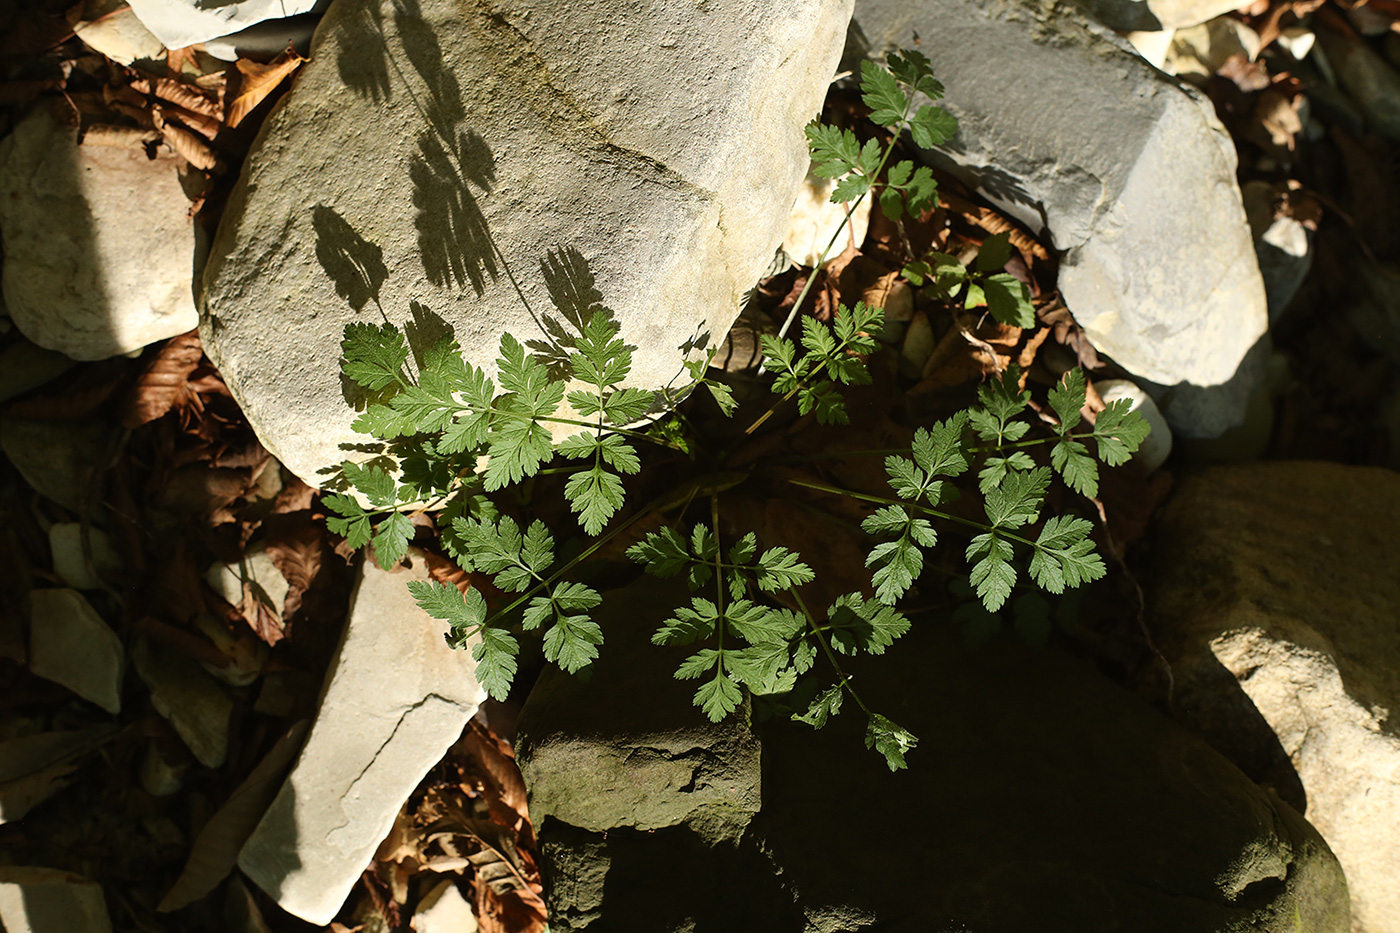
(845, 681)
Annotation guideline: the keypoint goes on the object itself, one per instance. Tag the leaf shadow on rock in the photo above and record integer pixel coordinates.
(573, 291)
(452, 164)
(354, 264)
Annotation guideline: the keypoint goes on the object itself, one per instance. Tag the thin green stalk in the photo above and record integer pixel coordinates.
(909, 503)
(845, 681)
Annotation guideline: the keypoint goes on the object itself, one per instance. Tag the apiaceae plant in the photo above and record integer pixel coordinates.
(455, 436)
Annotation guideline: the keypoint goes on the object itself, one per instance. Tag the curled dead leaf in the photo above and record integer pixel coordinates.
(256, 81)
(165, 382)
(185, 96)
(195, 150)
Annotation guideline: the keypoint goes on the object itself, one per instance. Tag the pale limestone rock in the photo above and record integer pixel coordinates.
(1197, 52)
(47, 900)
(1147, 15)
(72, 565)
(444, 910)
(395, 700)
(440, 154)
(61, 461)
(178, 23)
(1066, 128)
(99, 246)
(120, 36)
(1275, 598)
(71, 645)
(257, 569)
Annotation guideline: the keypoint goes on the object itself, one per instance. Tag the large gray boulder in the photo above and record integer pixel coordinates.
(437, 154)
(1040, 797)
(1066, 128)
(1275, 598)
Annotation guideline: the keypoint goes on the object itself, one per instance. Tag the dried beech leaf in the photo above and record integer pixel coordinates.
(258, 81)
(215, 849)
(208, 127)
(185, 96)
(165, 383)
(119, 137)
(296, 544)
(195, 150)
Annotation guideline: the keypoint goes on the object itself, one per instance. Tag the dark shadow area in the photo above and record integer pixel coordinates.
(363, 62)
(454, 240)
(354, 264)
(1215, 707)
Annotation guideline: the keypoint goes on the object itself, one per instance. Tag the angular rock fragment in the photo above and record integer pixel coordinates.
(184, 693)
(1067, 129)
(99, 246)
(71, 645)
(47, 900)
(1274, 596)
(396, 699)
(441, 161)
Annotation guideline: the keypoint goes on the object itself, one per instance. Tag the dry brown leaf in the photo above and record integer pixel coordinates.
(208, 127)
(257, 81)
(165, 383)
(112, 136)
(296, 544)
(195, 150)
(184, 96)
(216, 848)
(261, 616)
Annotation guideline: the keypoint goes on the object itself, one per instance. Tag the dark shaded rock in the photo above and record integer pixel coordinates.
(1041, 797)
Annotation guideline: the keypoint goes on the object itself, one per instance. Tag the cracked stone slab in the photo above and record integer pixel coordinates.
(396, 698)
(1275, 599)
(1063, 126)
(431, 158)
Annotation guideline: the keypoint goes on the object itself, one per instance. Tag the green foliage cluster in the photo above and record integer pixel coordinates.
(452, 434)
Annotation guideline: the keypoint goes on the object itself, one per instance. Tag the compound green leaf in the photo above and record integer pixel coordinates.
(373, 357)
(834, 151)
(662, 553)
(882, 94)
(932, 126)
(1071, 459)
(573, 642)
(1064, 556)
(994, 253)
(595, 495)
(1017, 500)
(826, 705)
(781, 569)
(1067, 399)
(718, 697)
(352, 523)
(890, 740)
(495, 661)
(391, 539)
(992, 575)
(849, 188)
(1119, 431)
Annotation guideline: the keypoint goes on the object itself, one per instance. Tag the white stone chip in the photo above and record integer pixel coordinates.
(444, 910)
(180, 23)
(396, 699)
(815, 221)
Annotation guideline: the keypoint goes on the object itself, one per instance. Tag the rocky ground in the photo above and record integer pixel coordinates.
(216, 716)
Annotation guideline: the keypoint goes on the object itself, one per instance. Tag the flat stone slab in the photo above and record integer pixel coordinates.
(1063, 126)
(99, 246)
(440, 154)
(395, 699)
(1274, 596)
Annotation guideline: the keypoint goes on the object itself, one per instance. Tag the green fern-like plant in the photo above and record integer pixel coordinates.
(451, 436)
